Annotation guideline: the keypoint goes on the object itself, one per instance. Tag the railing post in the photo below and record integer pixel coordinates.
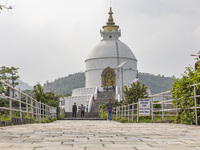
(52, 112)
(26, 107)
(132, 111)
(125, 112)
(128, 112)
(20, 106)
(195, 105)
(10, 103)
(36, 110)
(122, 112)
(137, 112)
(32, 107)
(56, 113)
(116, 113)
(176, 108)
(40, 111)
(152, 108)
(43, 110)
(162, 107)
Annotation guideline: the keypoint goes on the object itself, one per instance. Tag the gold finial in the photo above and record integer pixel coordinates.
(110, 18)
(110, 24)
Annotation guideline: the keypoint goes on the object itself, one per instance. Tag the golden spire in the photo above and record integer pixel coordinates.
(110, 24)
(110, 19)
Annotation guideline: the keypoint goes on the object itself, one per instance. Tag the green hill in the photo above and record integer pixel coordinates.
(156, 83)
(65, 85)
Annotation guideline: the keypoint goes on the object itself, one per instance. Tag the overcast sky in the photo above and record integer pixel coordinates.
(48, 39)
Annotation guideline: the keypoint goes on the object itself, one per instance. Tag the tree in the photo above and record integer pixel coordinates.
(53, 100)
(39, 94)
(5, 7)
(133, 93)
(182, 92)
(9, 75)
(48, 98)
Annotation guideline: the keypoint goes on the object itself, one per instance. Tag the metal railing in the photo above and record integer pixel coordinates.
(163, 108)
(25, 105)
(129, 112)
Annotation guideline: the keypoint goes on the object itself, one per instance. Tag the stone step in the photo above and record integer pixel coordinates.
(78, 115)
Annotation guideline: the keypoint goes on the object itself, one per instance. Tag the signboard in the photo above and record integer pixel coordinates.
(52, 110)
(144, 107)
(63, 102)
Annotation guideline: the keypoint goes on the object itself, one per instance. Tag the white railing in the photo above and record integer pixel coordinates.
(90, 102)
(70, 100)
(83, 91)
(128, 112)
(165, 105)
(25, 104)
(82, 98)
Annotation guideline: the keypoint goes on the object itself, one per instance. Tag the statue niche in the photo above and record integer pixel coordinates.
(108, 77)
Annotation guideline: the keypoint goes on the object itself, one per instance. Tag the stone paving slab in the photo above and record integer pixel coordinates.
(99, 135)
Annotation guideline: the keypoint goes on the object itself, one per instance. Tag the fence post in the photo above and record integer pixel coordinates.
(10, 103)
(36, 110)
(125, 112)
(195, 105)
(26, 107)
(43, 110)
(122, 112)
(137, 112)
(32, 107)
(162, 107)
(40, 110)
(119, 112)
(128, 112)
(132, 111)
(20, 106)
(116, 113)
(176, 108)
(152, 108)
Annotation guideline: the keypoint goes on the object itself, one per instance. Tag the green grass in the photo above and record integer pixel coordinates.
(5, 117)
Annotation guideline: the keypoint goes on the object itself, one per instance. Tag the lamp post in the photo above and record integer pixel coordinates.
(121, 68)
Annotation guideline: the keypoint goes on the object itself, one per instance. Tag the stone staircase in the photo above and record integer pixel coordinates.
(102, 98)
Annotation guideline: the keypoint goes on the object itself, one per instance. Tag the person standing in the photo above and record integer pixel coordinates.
(74, 110)
(82, 111)
(109, 109)
(93, 100)
(87, 108)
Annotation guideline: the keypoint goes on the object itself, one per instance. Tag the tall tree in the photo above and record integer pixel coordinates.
(134, 92)
(39, 94)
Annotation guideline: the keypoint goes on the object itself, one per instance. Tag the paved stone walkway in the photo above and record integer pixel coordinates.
(99, 135)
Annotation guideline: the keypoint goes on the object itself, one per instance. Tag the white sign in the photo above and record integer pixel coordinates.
(52, 110)
(144, 107)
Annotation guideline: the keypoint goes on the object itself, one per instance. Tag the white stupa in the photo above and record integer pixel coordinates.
(110, 64)
(102, 62)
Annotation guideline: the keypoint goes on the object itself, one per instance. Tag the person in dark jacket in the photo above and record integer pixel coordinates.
(74, 110)
(82, 111)
(109, 109)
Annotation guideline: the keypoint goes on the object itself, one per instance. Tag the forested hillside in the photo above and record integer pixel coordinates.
(156, 83)
(65, 85)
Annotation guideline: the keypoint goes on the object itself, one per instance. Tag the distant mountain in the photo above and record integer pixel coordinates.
(23, 86)
(65, 85)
